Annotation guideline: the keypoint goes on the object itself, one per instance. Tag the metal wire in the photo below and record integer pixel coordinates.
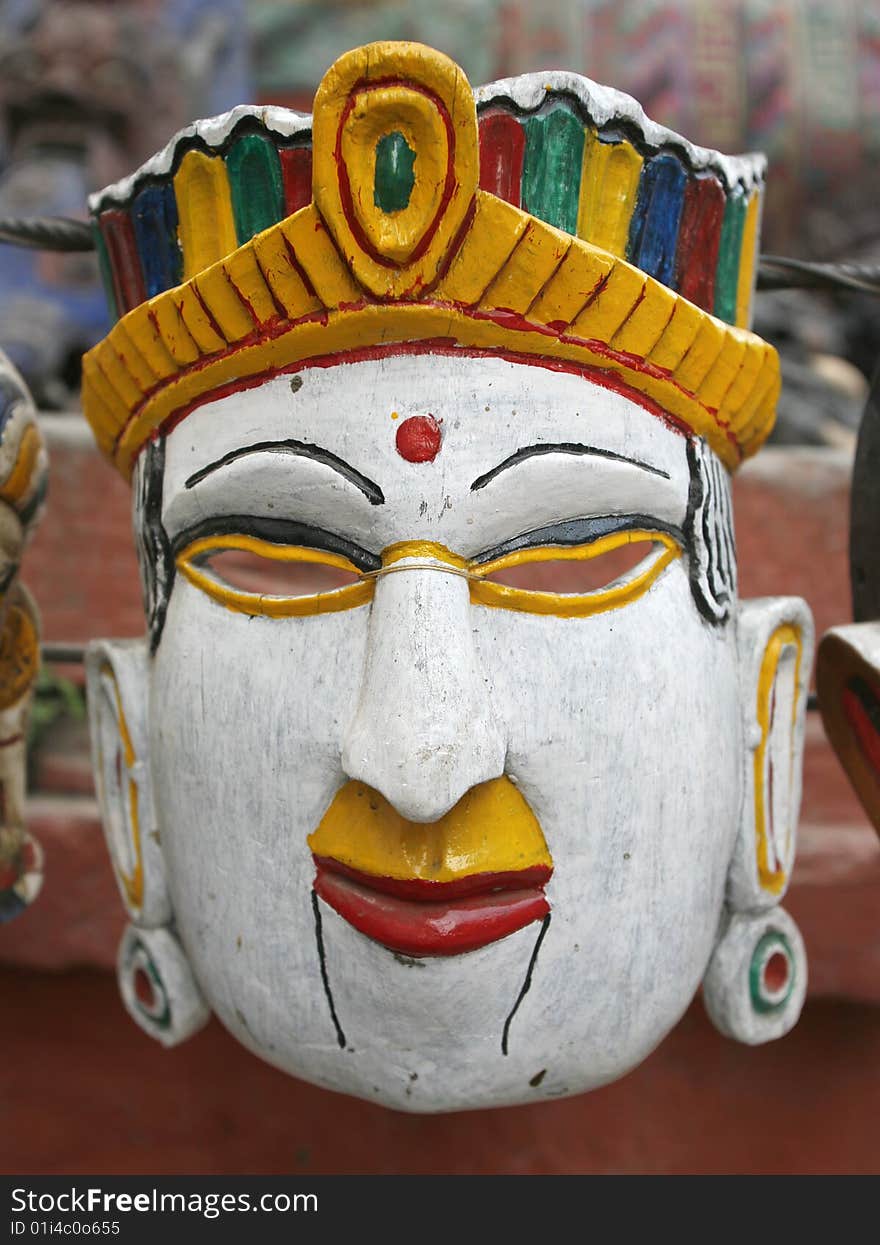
(422, 566)
(47, 233)
(777, 272)
(63, 654)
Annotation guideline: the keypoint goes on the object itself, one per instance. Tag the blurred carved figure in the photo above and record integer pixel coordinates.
(23, 475)
(87, 89)
(99, 78)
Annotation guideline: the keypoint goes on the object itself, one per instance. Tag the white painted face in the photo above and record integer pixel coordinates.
(619, 728)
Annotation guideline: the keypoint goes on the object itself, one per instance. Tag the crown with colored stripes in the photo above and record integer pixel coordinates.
(564, 227)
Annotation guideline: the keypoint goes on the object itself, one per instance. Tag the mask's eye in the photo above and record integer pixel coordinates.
(551, 573)
(578, 580)
(247, 571)
(258, 577)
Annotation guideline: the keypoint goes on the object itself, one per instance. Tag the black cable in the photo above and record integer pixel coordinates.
(47, 233)
(63, 654)
(777, 272)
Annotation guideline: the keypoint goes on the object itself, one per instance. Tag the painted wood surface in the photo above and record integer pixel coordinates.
(423, 697)
(451, 751)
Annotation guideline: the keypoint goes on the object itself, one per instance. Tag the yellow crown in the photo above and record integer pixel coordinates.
(400, 249)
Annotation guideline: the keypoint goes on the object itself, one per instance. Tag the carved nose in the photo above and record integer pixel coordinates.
(424, 731)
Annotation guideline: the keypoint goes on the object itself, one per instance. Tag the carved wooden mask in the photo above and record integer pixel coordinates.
(451, 763)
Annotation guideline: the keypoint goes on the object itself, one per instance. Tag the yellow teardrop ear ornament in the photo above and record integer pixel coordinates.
(396, 162)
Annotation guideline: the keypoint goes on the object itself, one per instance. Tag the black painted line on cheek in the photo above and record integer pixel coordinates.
(159, 569)
(526, 985)
(322, 959)
(697, 497)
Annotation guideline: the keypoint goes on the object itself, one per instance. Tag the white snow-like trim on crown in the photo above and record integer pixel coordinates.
(605, 106)
(213, 131)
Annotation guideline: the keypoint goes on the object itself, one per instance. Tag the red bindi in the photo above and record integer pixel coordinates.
(418, 439)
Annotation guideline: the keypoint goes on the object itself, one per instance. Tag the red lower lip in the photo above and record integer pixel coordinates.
(434, 918)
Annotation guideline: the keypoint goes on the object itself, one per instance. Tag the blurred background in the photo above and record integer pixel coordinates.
(89, 90)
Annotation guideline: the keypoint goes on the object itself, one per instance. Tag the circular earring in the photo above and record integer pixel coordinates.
(158, 987)
(756, 981)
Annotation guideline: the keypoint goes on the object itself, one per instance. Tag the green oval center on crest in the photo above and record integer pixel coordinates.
(394, 178)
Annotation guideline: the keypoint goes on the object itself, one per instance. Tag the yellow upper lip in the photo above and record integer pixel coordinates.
(491, 829)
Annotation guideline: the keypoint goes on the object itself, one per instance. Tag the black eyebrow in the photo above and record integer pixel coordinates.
(302, 449)
(562, 447)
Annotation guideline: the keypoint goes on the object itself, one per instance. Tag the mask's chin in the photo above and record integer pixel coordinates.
(460, 1034)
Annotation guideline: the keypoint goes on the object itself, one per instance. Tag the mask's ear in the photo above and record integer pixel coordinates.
(775, 645)
(155, 980)
(756, 979)
(848, 683)
(116, 679)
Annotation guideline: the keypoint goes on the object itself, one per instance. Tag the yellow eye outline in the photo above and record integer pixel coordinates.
(263, 605)
(624, 591)
(627, 589)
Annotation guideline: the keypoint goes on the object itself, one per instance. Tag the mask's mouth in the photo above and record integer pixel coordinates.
(439, 918)
(441, 888)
